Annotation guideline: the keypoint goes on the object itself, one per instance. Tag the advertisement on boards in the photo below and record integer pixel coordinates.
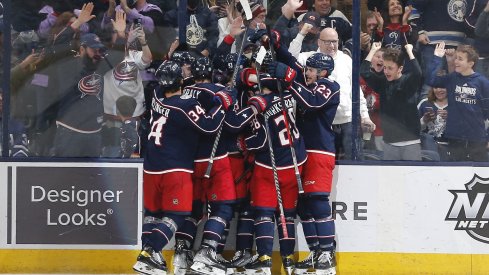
(76, 205)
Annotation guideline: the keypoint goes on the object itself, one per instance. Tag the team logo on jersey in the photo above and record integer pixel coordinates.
(457, 9)
(470, 209)
(175, 201)
(90, 85)
(125, 71)
(214, 197)
(195, 33)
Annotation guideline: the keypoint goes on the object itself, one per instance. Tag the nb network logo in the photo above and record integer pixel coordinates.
(470, 209)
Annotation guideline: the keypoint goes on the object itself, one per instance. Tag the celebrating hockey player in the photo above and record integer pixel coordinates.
(167, 185)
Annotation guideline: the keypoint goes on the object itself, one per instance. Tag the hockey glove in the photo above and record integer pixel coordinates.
(245, 74)
(260, 103)
(240, 142)
(225, 98)
(257, 35)
(281, 71)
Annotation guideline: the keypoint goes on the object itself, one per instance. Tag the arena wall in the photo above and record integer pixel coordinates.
(86, 218)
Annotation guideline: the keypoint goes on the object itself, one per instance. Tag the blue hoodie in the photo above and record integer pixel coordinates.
(468, 103)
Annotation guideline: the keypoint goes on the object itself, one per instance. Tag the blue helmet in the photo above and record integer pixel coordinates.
(321, 61)
(182, 58)
(169, 75)
(224, 67)
(202, 68)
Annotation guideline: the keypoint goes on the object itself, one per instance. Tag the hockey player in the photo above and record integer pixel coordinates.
(237, 125)
(263, 189)
(218, 190)
(175, 127)
(318, 98)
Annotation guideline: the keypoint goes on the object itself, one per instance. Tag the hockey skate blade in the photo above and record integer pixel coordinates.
(201, 268)
(263, 271)
(289, 270)
(298, 271)
(142, 268)
(330, 271)
(179, 270)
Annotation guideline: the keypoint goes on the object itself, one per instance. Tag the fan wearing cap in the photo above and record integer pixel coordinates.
(79, 118)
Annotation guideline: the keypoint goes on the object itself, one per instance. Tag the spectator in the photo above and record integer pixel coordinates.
(52, 13)
(482, 40)
(399, 115)
(200, 26)
(439, 21)
(152, 21)
(366, 38)
(80, 113)
(373, 102)
(306, 32)
(468, 104)
(122, 141)
(17, 144)
(125, 79)
(433, 113)
(397, 32)
(377, 4)
(333, 18)
(342, 73)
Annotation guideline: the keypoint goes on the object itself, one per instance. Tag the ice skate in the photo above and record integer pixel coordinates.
(306, 266)
(326, 263)
(150, 262)
(259, 265)
(239, 260)
(289, 264)
(206, 262)
(182, 258)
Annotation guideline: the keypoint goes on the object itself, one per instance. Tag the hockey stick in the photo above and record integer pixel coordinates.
(247, 10)
(286, 121)
(259, 60)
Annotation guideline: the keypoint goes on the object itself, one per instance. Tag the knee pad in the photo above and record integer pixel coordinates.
(319, 207)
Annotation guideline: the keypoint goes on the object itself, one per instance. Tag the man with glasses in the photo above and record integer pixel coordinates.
(328, 44)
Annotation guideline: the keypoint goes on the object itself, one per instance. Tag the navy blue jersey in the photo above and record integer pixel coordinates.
(318, 103)
(468, 101)
(278, 133)
(81, 108)
(176, 125)
(204, 93)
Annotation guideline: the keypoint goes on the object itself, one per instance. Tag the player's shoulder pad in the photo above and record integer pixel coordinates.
(331, 84)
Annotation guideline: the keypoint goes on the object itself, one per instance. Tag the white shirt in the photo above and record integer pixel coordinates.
(115, 88)
(342, 74)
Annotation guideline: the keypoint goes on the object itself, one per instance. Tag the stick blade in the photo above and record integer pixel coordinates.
(246, 7)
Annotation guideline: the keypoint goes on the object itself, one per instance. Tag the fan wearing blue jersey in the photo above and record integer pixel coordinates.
(468, 104)
(167, 185)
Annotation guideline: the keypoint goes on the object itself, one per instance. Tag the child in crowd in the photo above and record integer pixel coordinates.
(468, 101)
(398, 113)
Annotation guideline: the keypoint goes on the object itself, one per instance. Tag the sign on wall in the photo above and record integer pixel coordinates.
(76, 205)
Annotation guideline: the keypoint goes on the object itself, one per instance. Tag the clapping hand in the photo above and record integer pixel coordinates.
(440, 49)
(120, 22)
